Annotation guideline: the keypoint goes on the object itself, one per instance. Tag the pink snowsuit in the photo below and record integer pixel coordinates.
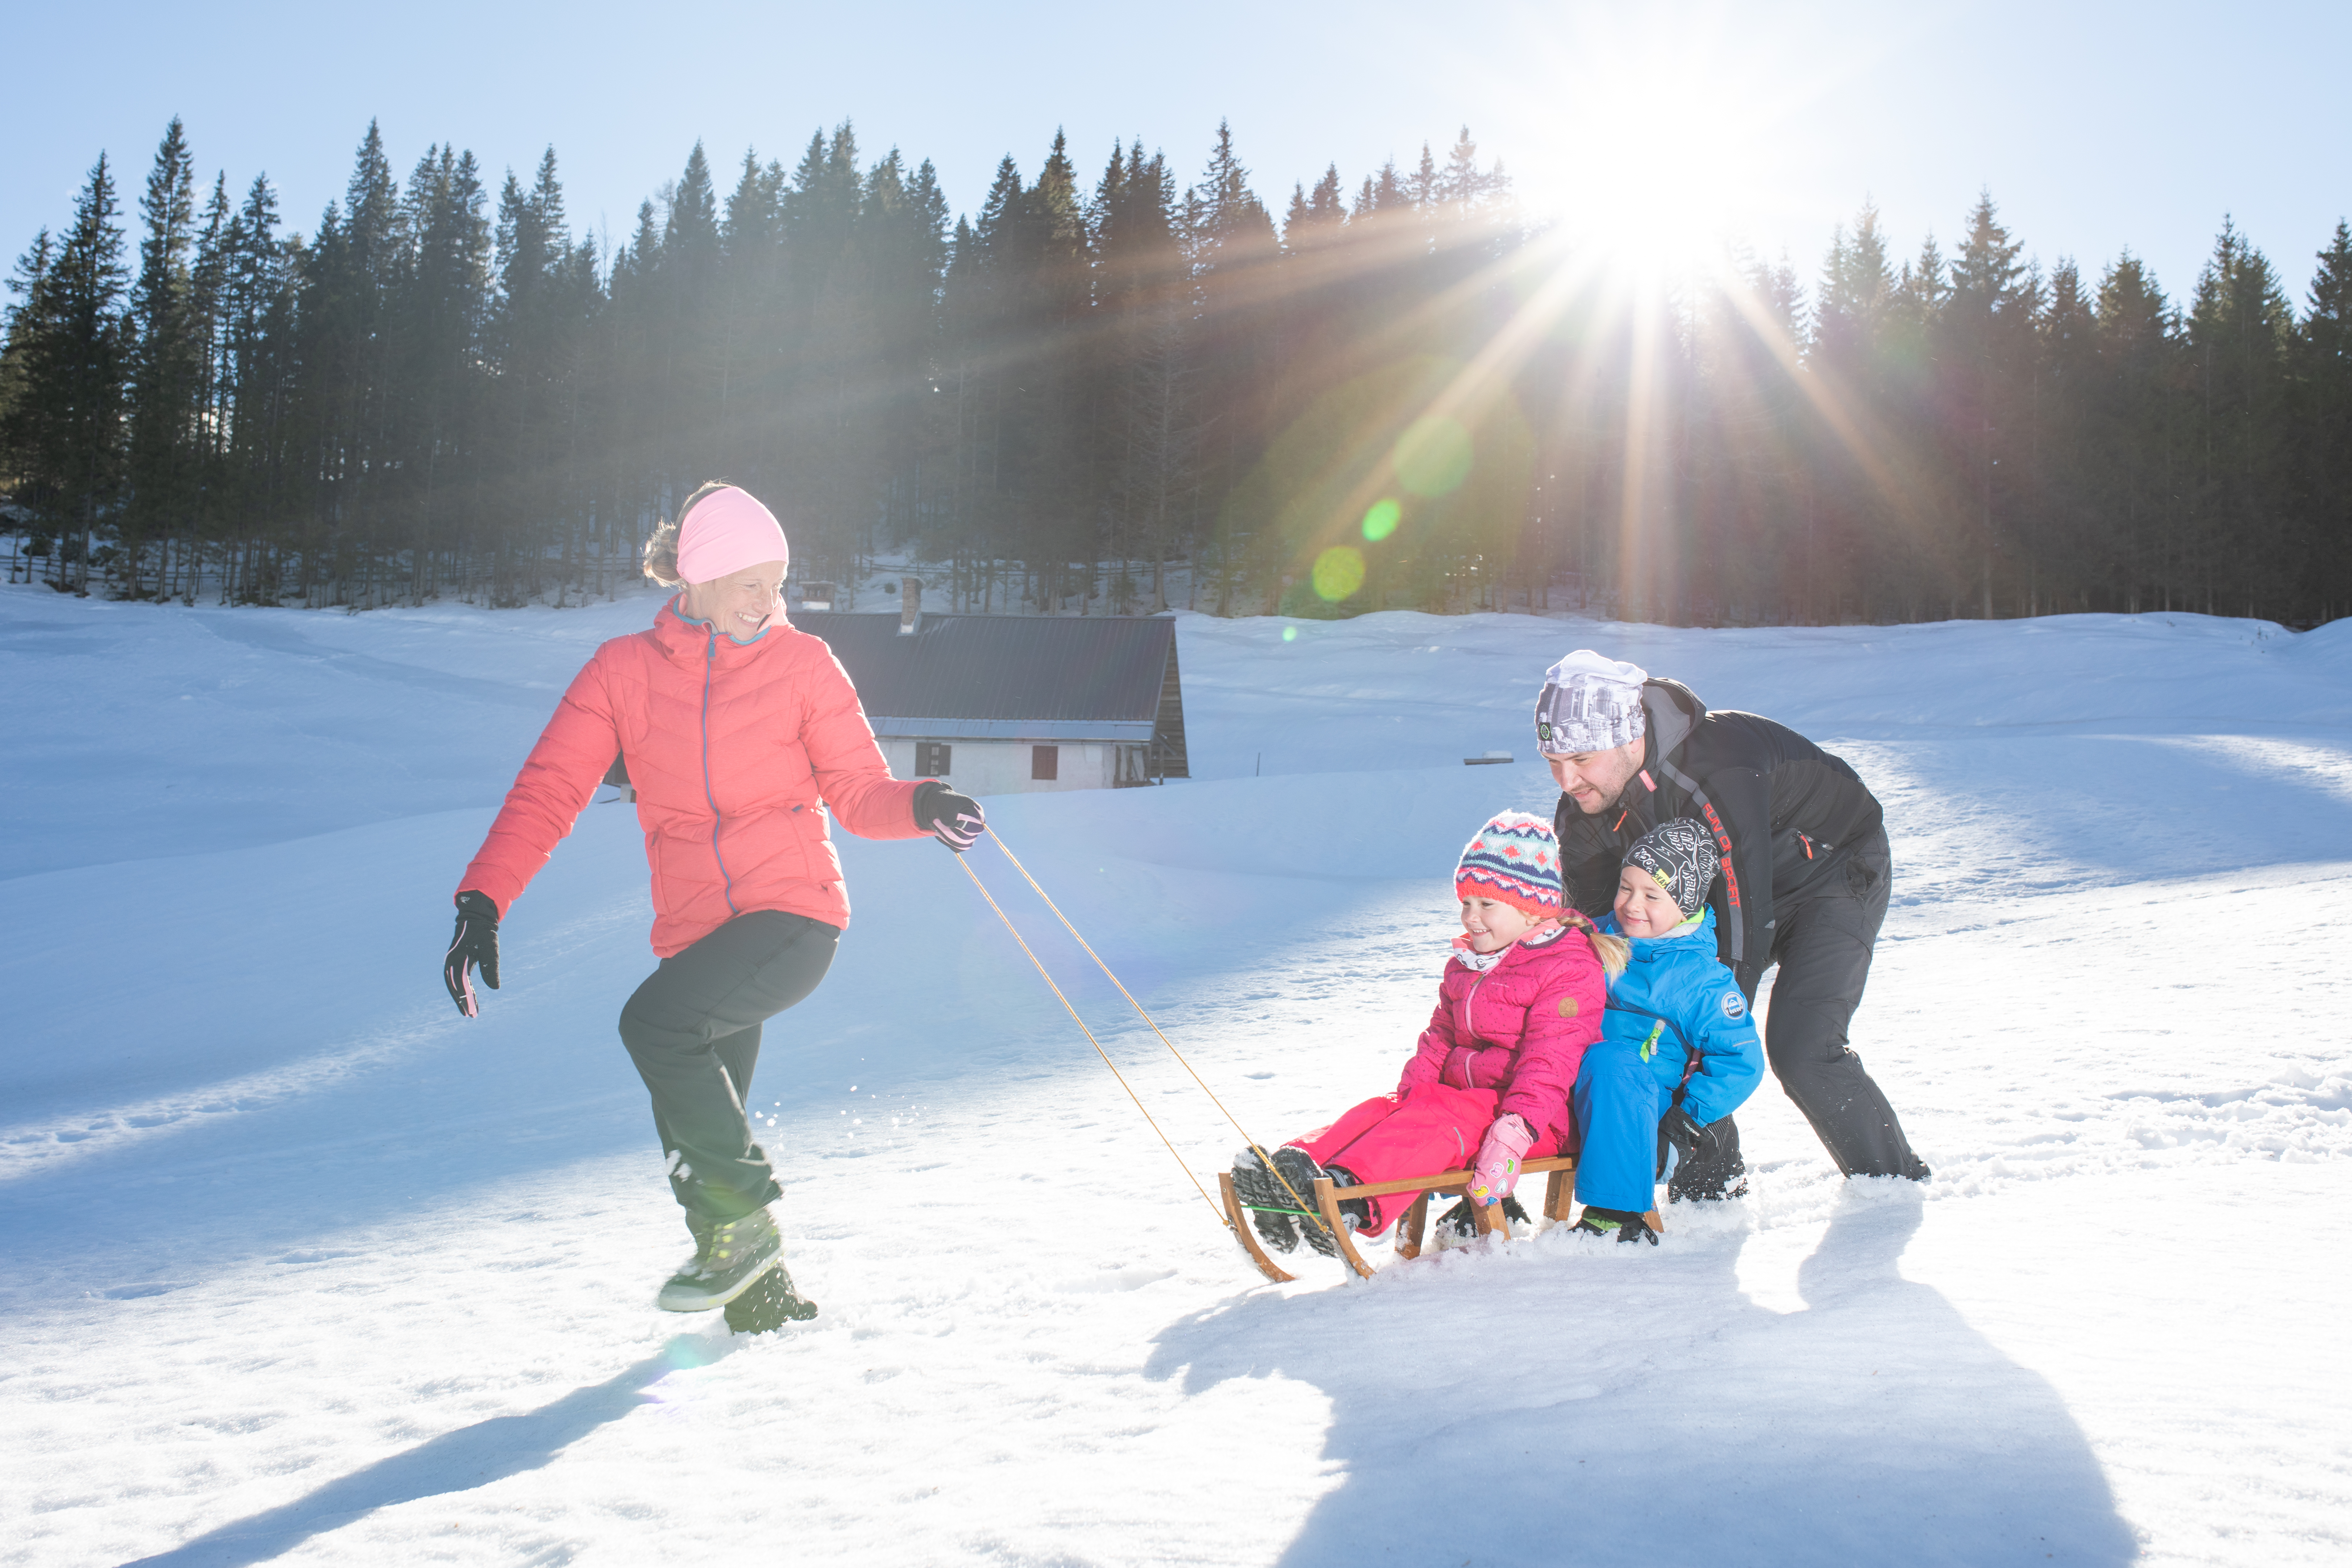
(1503, 1040)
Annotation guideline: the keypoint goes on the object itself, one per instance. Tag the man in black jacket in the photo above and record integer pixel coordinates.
(1804, 882)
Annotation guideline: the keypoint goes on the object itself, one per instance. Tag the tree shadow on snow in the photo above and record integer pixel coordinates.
(1662, 1416)
(456, 1461)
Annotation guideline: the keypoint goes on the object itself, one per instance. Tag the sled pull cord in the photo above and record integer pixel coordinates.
(1265, 1158)
(1089, 1034)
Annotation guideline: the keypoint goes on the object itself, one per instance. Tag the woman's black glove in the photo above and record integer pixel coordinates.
(475, 944)
(955, 820)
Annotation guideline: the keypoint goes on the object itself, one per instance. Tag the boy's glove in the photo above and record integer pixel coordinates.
(1499, 1156)
(955, 820)
(1689, 1136)
(475, 944)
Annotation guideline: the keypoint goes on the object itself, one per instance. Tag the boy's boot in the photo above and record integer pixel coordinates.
(1272, 1214)
(1299, 1169)
(1458, 1224)
(730, 1254)
(1625, 1226)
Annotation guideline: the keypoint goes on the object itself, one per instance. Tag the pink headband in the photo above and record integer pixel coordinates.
(725, 531)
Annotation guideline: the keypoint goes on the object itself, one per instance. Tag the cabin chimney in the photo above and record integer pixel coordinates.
(910, 604)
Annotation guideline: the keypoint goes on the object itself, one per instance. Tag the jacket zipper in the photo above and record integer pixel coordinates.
(1472, 995)
(1468, 1034)
(710, 662)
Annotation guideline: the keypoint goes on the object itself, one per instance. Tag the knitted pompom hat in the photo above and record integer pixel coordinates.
(1513, 859)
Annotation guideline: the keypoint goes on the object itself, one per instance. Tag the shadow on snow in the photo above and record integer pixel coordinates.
(1693, 1427)
(456, 1461)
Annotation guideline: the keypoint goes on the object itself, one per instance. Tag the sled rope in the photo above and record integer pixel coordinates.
(1264, 1158)
(1089, 1034)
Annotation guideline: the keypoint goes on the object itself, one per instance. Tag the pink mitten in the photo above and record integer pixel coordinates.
(1498, 1170)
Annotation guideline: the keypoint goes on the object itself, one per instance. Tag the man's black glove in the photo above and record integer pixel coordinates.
(1689, 1137)
(475, 944)
(955, 820)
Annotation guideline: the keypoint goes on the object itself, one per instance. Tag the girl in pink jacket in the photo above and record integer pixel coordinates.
(1488, 1084)
(741, 737)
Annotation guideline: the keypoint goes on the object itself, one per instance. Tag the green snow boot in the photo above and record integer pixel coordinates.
(730, 1258)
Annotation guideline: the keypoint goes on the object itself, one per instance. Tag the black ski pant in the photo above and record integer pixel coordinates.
(1823, 941)
(693, 1029)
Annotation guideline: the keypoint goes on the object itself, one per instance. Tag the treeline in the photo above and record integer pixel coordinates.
(1099, 394)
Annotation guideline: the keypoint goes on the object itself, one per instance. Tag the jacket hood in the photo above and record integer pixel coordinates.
(1672, 711)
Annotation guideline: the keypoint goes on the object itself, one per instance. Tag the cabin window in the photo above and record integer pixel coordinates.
(1045, 762)
(931, 759)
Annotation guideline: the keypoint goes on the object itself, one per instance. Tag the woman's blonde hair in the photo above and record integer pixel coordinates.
(661, 548)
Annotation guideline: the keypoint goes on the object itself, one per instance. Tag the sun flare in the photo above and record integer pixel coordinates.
(1655, 138)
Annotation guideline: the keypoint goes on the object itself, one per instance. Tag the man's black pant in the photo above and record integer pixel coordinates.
(1823, 941)
(693, 1029)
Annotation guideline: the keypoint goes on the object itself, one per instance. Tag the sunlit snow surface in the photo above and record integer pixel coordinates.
(301, 1267)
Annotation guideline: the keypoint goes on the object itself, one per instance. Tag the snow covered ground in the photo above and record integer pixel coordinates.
(299, 1264)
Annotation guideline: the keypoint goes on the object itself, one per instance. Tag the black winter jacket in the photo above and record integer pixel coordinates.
(1784, 813)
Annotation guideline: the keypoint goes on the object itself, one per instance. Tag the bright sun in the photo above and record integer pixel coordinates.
(1653, 141)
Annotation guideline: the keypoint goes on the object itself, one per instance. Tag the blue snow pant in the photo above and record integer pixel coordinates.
(1619, 1100)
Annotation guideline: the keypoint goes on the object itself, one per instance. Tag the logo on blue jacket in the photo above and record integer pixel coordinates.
(1735, 1006)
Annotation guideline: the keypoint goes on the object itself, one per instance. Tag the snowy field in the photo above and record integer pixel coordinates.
(301, 1267)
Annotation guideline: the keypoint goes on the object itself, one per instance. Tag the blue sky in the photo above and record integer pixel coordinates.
(2095, 127)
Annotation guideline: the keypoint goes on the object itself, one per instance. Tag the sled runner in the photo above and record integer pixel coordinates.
(1326, 1197)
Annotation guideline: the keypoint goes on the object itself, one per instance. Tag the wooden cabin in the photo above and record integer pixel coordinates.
(997, 704)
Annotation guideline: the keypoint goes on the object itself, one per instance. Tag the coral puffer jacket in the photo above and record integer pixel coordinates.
(1520, 1026)
(736, 751)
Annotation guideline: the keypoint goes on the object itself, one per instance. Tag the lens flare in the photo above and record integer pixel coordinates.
(1382, 520)
(1290, 634)
(1338, 572)
(1432, 457)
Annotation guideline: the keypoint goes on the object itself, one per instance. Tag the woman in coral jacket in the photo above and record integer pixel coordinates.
(741, 735)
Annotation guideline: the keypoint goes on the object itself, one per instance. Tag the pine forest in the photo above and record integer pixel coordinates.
(1122, 386)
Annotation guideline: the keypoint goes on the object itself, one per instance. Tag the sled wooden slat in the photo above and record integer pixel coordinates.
(1558, 1204)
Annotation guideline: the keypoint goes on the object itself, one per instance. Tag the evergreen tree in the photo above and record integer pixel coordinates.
(70, 453)
(2061, 541)
(1985, 342)
(1233, 254)
(255, 315)
(168, 338)
(24, 415)
(2323, 427)
(2135, 454)
(2239, 329)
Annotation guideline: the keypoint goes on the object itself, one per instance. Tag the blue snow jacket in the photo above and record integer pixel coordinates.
(1675, 1009)
(1677, 1000)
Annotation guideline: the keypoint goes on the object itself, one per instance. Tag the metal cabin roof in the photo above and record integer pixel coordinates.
(1093, 676)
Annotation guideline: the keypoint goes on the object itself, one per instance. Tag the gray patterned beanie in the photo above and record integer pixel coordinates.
(1682, 855)
(1588, 704)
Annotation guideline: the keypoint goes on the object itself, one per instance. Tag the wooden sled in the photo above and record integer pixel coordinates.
(1490, 1220)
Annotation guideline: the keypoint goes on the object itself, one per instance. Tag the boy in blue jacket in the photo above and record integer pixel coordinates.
(1678, 1050)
